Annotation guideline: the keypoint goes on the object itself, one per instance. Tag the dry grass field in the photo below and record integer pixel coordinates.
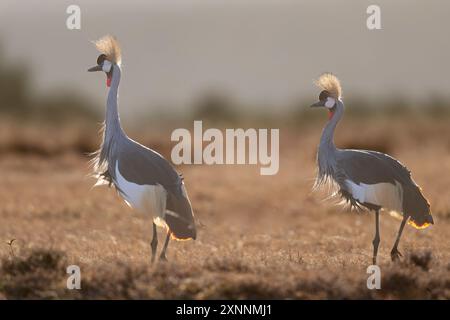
(258, 236)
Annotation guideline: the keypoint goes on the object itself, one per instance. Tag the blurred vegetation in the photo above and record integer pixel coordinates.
(14, 87)
(215, 108)
(434, 107)
(39, 273)
(218, 109)
(65, 106)
(18, 100)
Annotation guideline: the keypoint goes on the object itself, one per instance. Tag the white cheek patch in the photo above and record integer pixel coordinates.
(330, 103)
(107, 66)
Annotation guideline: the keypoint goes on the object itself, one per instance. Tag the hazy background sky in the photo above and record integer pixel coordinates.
(262, 53)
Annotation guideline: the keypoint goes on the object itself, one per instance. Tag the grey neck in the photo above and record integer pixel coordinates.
(113, 129)
(327, 138)
(327, 150)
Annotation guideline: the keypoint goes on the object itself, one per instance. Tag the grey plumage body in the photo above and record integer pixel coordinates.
(367, 178)
(145, 180)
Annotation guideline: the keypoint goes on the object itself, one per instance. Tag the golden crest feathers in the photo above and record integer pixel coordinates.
(109, 46)
(330, 83)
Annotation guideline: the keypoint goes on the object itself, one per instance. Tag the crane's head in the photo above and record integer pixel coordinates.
(110, 56)
(331, 92)
(104, 65)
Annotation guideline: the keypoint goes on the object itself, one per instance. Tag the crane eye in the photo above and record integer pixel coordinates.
(106, 66)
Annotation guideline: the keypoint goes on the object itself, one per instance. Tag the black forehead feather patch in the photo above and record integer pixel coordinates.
(324, 95)
(101, 58)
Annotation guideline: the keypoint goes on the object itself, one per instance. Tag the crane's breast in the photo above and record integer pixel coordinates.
(383, 194)
(147, 199)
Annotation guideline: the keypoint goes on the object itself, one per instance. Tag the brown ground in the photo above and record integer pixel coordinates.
(258, 237)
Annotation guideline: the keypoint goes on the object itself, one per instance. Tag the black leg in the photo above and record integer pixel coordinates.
(376, 240)
(395, 254)
(154, 243)
(162, 257)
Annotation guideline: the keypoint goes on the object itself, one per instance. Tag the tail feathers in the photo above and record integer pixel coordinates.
(181, 230)
(416, 206)
(180, 218)
(422, 224)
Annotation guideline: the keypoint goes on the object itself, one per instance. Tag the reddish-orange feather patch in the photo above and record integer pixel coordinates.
(330, 114)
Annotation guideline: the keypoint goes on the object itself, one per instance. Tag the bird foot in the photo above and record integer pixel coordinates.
(163, 258)
(395, 254)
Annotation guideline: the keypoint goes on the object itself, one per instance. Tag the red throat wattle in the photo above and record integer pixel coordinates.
(330, 114)
(108, 81)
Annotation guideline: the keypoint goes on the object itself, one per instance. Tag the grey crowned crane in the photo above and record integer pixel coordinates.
(143, 178)
(364, 178)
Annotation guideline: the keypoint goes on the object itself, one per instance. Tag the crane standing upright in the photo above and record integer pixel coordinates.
(367, 178)
(145, 180)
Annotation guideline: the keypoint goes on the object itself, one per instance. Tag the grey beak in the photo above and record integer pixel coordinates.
(318, 104)
(96, 68)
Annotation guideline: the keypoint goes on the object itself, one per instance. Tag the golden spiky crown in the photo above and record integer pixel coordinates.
(330, 83)
(109, 46)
